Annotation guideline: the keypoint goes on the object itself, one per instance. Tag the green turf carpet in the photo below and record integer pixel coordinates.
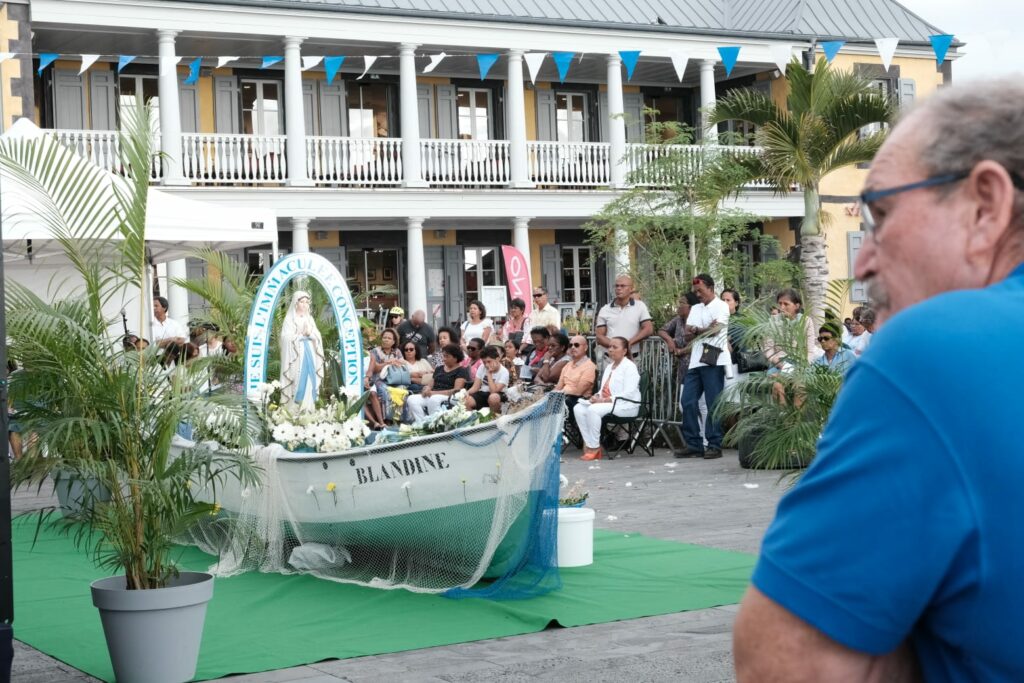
(258, 622)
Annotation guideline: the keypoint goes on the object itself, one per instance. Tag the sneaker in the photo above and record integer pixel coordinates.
(712, 453)
(686, 452)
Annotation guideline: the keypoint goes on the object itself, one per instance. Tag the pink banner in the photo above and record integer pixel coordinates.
(518, 275)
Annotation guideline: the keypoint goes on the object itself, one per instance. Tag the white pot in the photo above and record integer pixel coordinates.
(575, 537)
(153, 635)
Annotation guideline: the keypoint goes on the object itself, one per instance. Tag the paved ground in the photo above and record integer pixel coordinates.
(709, 502)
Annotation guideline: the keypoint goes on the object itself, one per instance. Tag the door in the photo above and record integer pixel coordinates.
(551, 271)
(195, 271)
(262, 110)
(69, 100)
(455, 297)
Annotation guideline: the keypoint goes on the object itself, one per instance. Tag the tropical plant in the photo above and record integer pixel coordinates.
(781, 434)
(818, 132)
(95, 410)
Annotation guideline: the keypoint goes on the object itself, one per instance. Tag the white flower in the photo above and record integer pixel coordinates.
(275, 385)
(563, 481)
(406, 485)
(246, 493)
(310, 491)
(484, 412)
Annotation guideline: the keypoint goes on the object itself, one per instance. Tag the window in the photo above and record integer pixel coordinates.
(666, 108)
(474, 110)
(571, 120)
(884, 87)
(481, 270)
(261, 107)
(368, 110)
(578, 275)
(131, 86)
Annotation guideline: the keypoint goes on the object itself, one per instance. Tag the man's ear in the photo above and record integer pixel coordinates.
(991, 191)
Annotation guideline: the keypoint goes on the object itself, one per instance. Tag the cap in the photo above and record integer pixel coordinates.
(397, 310)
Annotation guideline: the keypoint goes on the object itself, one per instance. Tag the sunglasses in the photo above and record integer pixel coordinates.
(411, 348)
(472, 348)
(825, 339)
(575, 345)
(537, 294)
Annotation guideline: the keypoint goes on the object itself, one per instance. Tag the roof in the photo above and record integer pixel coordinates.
(855, 20)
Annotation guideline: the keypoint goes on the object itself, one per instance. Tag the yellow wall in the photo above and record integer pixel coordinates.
(432, 240)
(331, 239)
(9, 69)
(779, 229)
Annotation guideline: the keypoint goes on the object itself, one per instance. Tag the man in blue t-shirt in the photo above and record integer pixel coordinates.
(898, 554)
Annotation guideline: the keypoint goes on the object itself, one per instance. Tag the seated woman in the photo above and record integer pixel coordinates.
(490, 382)
(420, 370)
(796, 336)
(445, 336)
(448, 378)
(621, 379)
(378, 408)
(534, 353)
(554, 362)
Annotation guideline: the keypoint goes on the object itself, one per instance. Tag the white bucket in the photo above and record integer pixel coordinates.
(575, 537)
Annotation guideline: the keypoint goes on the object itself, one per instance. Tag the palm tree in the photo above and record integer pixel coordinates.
(817, 133)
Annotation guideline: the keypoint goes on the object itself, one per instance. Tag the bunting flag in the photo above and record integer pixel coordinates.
(533, 61)
(729, 56)
(485, 62)
(629, 58)
(193, 71)
(434, 61)
(87, 61)
(331, 66)
(368, 61)
(886, 50)
(831, 48)
(562, 61)
(223, 61)
(679, 60)
(45, 60)
(4, 56)
(940, 45)
(309, 62)
(123, 61)
(271, 60)
(781, 55)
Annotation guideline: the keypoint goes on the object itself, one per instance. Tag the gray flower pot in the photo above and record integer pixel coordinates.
(72, 492)
(153, 636)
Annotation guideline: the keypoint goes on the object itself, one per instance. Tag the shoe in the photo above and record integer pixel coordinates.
(712, 453)
(686, 452)
(593, 455)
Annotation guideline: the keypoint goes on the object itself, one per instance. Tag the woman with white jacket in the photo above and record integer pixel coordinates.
(621, 379)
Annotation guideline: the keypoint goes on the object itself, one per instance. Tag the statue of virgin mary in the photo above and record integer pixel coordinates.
(302, 355)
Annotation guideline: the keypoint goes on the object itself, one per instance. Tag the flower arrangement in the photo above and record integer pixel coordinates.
(575, 496)
(333, 426)
(446, 420)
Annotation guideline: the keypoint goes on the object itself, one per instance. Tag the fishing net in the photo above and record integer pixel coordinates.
(471, 512)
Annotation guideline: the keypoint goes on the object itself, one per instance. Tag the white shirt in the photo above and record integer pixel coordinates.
(500, 377)
(168, 329)
(545, 317)
(703, 316)
(471, 331)
(859, 344)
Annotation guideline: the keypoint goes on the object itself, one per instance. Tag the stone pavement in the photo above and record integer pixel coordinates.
(708, 502)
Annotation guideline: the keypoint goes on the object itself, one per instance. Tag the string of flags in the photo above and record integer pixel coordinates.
(780, 54)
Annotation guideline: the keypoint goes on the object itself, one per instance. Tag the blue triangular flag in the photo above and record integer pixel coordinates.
(270, 60)
(45, 60)
(831, 48)
(331, 66)
(729, 56)
(123, 61)
(940, 44)
(193, 70)
(485, 62)
(562, 61)
(629, 58)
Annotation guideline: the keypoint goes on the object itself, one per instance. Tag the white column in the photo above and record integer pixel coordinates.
(300, 235)
(170, 112)
(410, 118)
(416, 266)
(707, 97)
(616, 124)
(294, 118)
(517, 121)
(177, 296)
(521, 241)
(622, 264)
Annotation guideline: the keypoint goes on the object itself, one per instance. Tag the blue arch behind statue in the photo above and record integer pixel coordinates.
(261, 318)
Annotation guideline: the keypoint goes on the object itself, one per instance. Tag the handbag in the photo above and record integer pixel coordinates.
(710, 354)
(751, 361)
(398, 376)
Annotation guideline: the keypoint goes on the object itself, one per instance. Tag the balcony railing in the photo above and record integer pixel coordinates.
(569, 164)
(660, 165)
(354, 161)
(102, 148)
(465, 162)
(223, 158)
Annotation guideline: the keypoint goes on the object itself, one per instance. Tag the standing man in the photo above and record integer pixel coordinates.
(417, 331)
(708, 322)
(543, 313)
(898, 554)
(166, 330)
(678, 340)
(624, 317)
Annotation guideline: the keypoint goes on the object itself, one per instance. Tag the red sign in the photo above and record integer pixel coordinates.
(518, 275)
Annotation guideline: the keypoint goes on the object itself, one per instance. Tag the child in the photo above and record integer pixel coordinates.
(489, 383)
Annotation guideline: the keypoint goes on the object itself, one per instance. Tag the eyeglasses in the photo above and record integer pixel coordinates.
(825, 339)
(867, 198)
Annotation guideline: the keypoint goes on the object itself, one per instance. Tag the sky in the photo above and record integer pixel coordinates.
(989, 27)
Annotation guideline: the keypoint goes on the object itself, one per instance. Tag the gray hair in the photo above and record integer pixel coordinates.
(967, 124)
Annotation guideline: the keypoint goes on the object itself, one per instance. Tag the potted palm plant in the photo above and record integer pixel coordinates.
(99, 412)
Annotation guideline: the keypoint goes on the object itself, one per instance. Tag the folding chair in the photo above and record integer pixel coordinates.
(635, 425)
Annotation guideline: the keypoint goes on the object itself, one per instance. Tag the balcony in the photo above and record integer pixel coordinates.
(214, 159)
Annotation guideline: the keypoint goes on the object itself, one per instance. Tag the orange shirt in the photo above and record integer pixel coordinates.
(577, 380)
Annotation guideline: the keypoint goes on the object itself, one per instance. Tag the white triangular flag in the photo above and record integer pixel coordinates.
(166, 66)
(434, 61)
(886, 49)
(533, 61)
(370, 59)
(679, 60)
(309, 62)
(87, 61)
(4, 56)
(222, 61)
(781, 55)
